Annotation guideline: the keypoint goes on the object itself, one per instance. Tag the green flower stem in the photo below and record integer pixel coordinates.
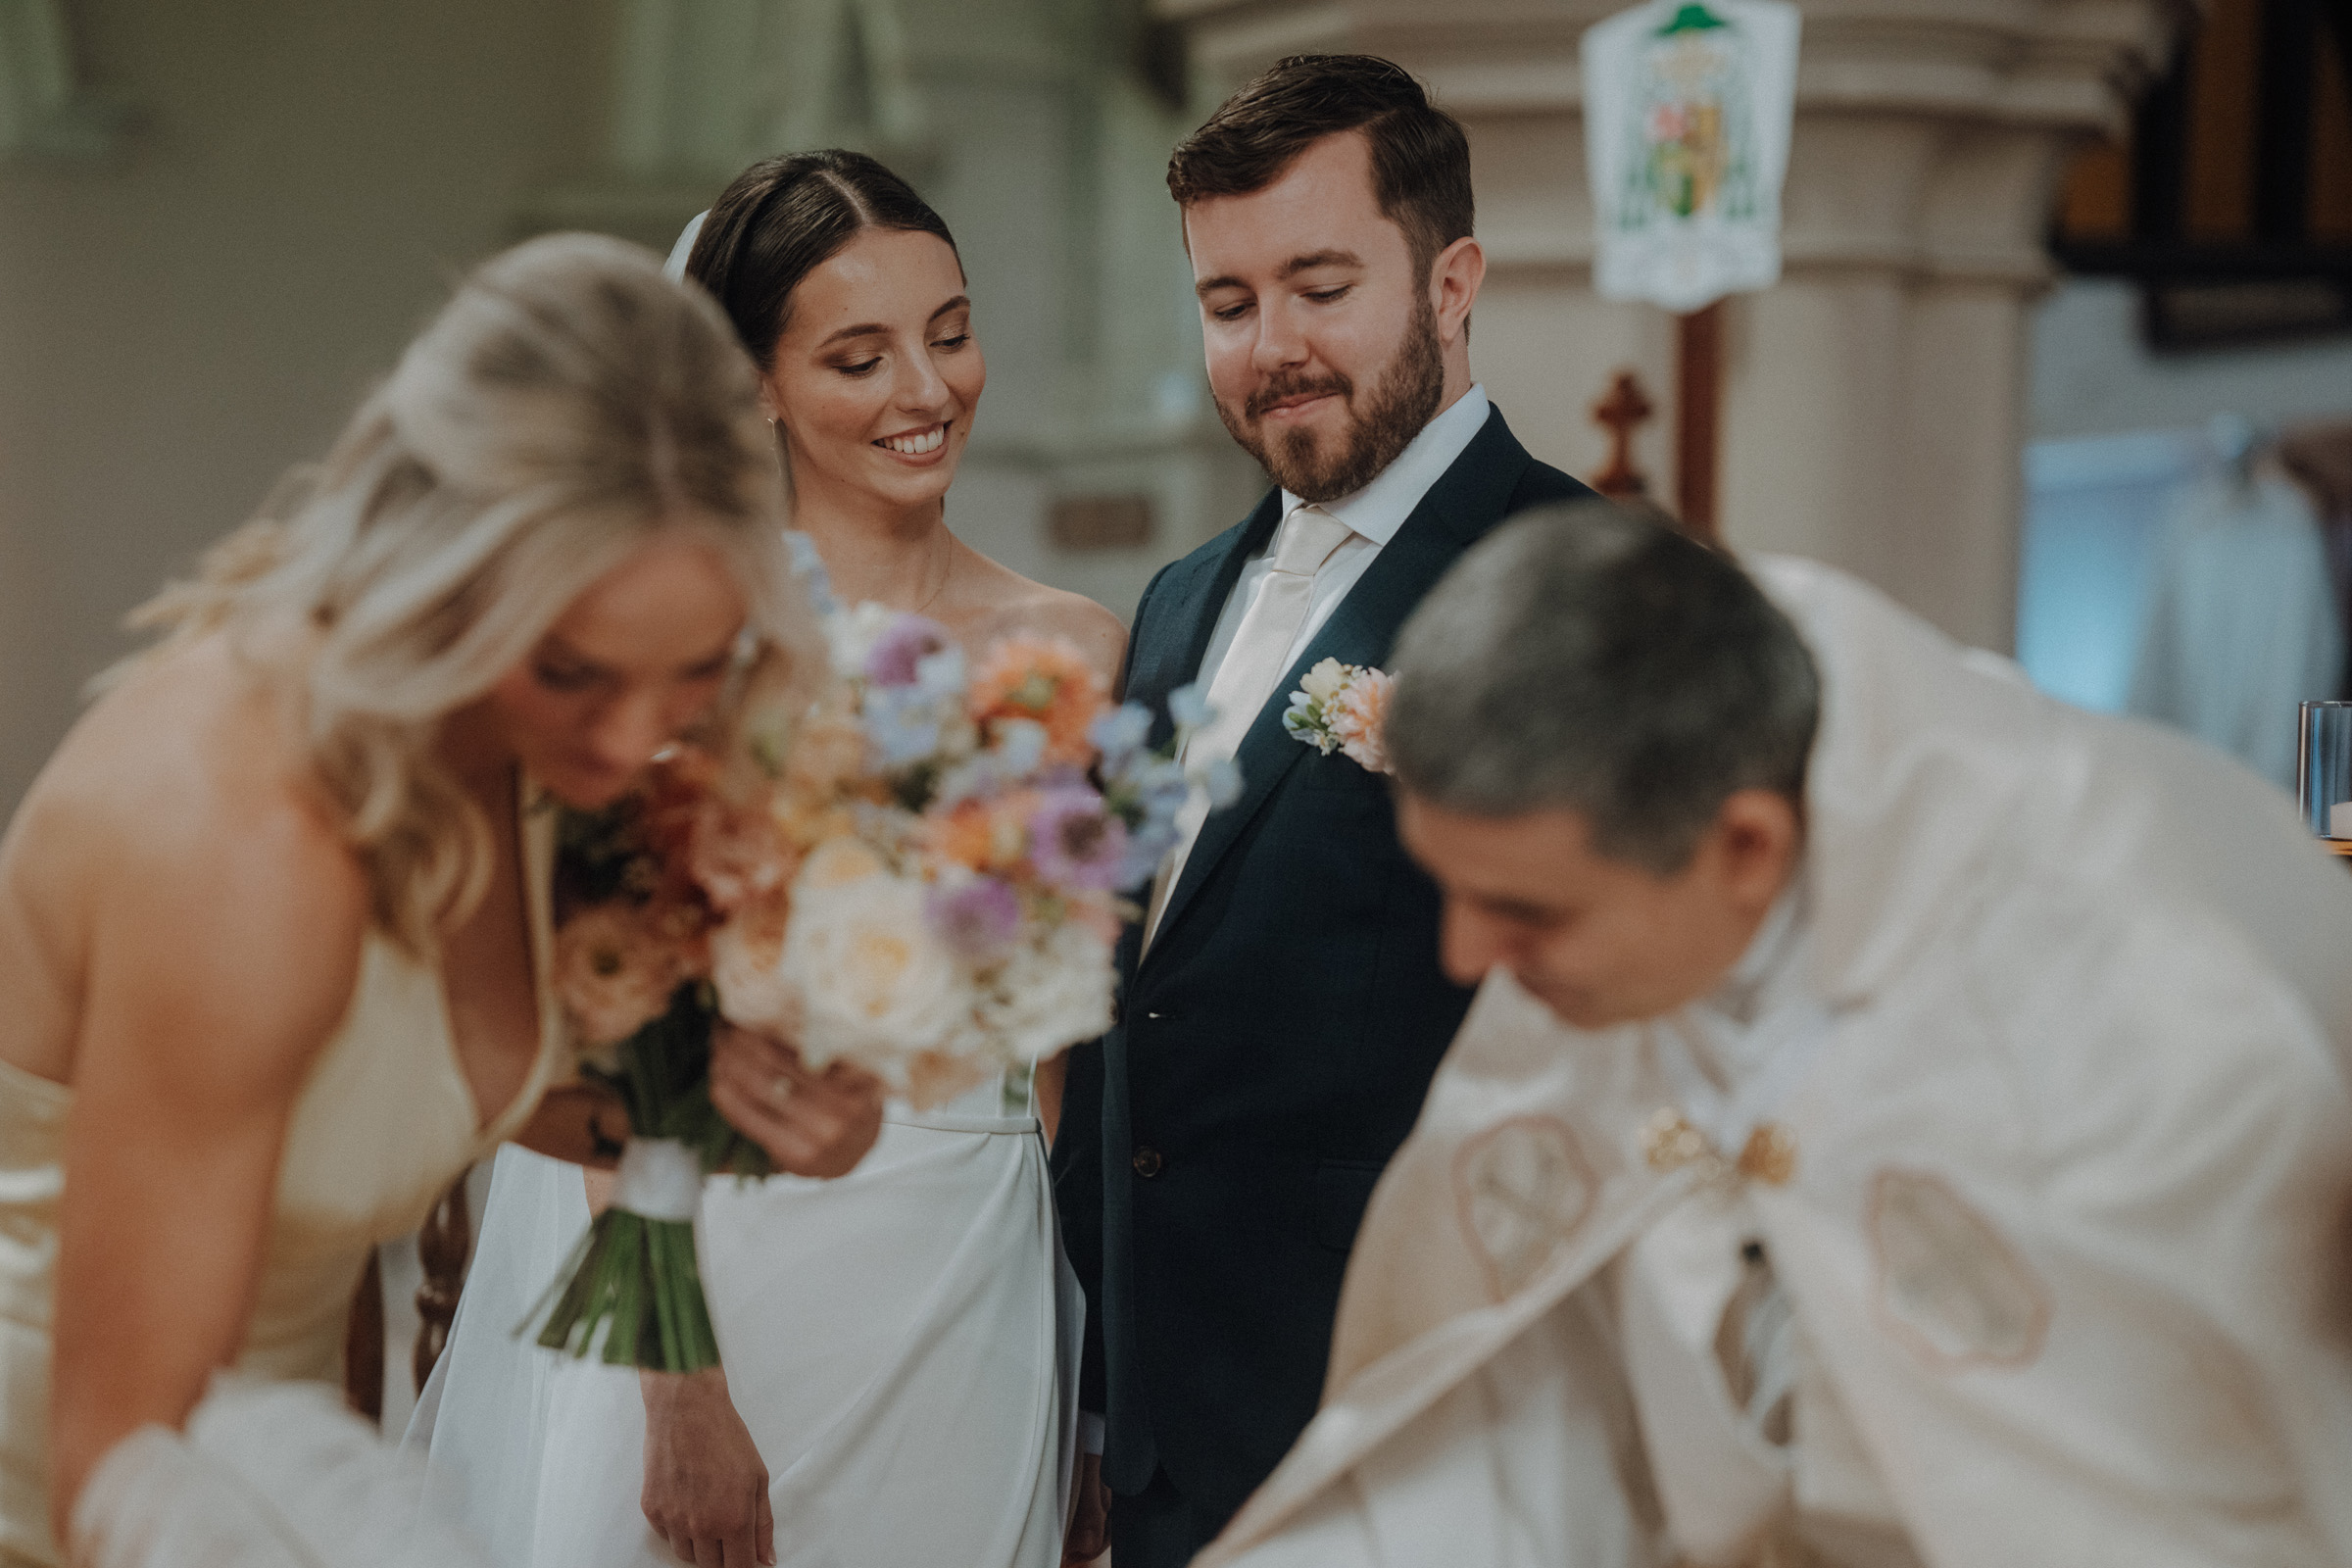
(632, 1293)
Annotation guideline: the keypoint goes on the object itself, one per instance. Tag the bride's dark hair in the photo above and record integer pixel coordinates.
(782, 219)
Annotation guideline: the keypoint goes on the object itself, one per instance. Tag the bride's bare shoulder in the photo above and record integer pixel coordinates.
(1020, 604)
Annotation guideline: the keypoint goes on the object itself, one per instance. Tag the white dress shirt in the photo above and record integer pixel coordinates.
(1375, 513)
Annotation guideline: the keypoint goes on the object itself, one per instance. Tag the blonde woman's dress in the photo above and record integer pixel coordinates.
(385, 1123)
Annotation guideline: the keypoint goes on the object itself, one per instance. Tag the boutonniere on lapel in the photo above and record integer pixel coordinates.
(1341, 707)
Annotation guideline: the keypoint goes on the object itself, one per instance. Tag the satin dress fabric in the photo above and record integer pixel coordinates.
(384, 1124)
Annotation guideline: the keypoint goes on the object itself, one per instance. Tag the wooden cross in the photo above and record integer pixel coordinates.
(1623, 412)
(1697, 433)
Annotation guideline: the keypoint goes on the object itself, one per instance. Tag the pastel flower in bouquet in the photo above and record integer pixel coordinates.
(920, 867)
(957, 907)
(640, 889)
(1341, 707)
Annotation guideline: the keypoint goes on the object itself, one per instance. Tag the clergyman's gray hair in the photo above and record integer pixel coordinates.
(1582, 658)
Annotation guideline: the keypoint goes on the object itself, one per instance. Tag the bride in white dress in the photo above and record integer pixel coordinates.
(900, 1345)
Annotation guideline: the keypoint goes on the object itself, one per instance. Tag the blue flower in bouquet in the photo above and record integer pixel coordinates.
(1119, 734)
(979, 918)
(810, 568)
(1075, 842)
(1016, 754)
(1147, 847)
(902, 723)
(1159, 789)
(1189, 706)
(1019, 747)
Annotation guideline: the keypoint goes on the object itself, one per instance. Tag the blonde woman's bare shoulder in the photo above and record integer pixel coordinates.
(181, 841)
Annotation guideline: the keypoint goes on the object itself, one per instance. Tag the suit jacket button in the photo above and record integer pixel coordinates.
(1148, 1162)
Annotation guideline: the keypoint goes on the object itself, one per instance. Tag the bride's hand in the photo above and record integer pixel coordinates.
(705, 1486)
(810, 1123)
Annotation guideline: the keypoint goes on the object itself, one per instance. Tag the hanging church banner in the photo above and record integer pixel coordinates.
(1687, 116)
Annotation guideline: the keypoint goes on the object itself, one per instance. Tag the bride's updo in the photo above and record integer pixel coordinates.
(783, 217)
(566, 407)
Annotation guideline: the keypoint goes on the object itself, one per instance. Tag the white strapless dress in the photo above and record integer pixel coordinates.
(901, 1343)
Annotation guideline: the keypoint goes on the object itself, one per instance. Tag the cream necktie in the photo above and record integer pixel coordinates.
(1255, 663)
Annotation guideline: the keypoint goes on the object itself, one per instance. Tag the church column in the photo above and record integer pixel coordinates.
(1872, 404)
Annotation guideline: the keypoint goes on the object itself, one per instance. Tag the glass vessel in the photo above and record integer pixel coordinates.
(2324, 769)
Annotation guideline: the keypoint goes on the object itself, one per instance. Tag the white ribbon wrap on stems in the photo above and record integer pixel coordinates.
(660, 1178)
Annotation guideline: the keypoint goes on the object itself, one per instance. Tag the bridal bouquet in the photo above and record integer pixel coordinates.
(920, 872)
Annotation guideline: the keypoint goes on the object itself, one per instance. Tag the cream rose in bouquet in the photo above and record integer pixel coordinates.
(920, 871)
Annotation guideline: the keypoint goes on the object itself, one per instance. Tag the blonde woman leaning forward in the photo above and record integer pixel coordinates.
(273, 919)
(900, 1345)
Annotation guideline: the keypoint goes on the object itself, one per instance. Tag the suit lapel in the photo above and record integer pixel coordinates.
(1466, 501)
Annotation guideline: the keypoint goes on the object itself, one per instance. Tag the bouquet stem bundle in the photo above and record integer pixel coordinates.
(633, 1291)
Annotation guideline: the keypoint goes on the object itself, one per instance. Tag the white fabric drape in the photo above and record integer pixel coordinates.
(2241, 624)
(267, 1475)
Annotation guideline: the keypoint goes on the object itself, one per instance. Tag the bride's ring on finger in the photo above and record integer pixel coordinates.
(780, 1090)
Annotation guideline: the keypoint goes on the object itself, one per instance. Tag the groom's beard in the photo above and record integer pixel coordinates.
(1406, 398)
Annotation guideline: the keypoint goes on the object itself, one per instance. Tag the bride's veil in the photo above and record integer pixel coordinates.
(675, 267)
(482, 1418)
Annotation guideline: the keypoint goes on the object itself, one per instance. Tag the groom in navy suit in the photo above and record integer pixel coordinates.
(1281, 1007)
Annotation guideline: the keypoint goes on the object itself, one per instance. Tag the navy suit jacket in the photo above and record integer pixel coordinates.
(1217, 1148)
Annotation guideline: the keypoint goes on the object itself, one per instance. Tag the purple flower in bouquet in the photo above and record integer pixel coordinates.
(914, 689)
(978, 920)
(1075, 840)
(897, 654)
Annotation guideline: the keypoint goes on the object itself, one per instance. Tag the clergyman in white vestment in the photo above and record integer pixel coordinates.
(1906, 1121)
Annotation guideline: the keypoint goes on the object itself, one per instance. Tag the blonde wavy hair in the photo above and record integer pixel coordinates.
(568, 406)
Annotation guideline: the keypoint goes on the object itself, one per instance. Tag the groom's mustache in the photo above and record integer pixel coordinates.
(1283, 388)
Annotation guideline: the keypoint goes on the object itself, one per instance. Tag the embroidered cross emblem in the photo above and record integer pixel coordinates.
(1523, 1189)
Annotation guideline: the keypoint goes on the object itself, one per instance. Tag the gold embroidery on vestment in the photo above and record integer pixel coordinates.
(1669, 1143)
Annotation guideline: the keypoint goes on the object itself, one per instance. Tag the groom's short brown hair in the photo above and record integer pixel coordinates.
(1420, 157)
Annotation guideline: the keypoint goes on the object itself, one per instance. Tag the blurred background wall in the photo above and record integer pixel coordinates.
(2032, 251)
(193, 304)
(244, 208)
